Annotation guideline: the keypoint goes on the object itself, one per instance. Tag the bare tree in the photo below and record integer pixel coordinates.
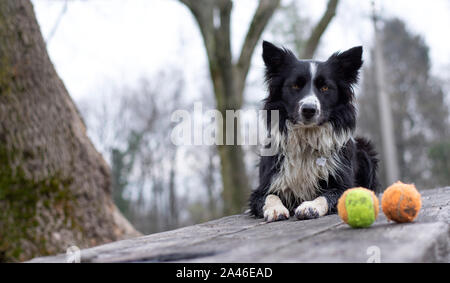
(54, 186)
(314, 39)
(132, 127)
(384, 106)
(229, 77)
(419, 108)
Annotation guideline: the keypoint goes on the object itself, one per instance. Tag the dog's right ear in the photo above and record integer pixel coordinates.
(348, 63)
(275, 57)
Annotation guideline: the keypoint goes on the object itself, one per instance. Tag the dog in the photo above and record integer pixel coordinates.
(316, 158)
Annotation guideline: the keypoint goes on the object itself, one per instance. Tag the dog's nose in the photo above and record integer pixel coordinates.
(309, 110)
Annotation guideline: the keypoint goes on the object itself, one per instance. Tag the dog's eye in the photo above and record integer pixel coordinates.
(296, 87)
(324, 88)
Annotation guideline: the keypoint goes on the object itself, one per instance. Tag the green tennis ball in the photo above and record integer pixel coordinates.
(358, 207)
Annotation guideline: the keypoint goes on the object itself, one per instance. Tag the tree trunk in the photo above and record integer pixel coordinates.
(228, 80)
(54, 185)
(173, 203)
(234, 178)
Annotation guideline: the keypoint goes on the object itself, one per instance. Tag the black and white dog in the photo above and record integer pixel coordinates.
(316, 157)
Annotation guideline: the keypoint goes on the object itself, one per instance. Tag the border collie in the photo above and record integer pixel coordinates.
(317, 158)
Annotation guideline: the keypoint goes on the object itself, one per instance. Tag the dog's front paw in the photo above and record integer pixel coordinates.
(277, 213)
(312, 209)
(306, 211)
(274, 210)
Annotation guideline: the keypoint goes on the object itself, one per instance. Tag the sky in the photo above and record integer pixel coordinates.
(103, 44)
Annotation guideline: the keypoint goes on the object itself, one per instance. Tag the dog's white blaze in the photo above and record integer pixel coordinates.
(319, 205)
(313, 70)
(310, 99)
(299, 175)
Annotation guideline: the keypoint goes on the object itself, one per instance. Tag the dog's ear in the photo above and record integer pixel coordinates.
(347, 64)
(274, 57)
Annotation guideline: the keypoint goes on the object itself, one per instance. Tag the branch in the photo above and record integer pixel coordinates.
(58, 21)
(262, 15)
(319, 30)
(228, 79)
(223, 54)
(203, 10)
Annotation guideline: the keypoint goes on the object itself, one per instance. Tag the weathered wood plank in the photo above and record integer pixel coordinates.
(241, 238)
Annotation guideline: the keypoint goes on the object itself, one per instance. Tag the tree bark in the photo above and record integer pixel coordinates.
(54, 185)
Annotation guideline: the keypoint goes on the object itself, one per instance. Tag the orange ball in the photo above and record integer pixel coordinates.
(401, 202)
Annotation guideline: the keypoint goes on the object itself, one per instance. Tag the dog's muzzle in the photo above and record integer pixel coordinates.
(309, 109)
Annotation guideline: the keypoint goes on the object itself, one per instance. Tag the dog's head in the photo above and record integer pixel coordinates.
(311, 93)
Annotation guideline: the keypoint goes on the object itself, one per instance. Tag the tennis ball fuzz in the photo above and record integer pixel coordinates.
(358, 207)
(401, 202)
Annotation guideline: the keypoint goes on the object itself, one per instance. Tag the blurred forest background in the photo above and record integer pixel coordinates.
(216, 60)
(144, 162)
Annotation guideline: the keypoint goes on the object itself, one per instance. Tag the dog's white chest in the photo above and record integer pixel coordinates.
(300, 174)
(308, 156)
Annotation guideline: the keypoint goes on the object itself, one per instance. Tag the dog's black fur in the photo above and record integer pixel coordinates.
(289, 80)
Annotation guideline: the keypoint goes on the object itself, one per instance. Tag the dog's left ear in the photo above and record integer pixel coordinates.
(275, 58)
(348, 63)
